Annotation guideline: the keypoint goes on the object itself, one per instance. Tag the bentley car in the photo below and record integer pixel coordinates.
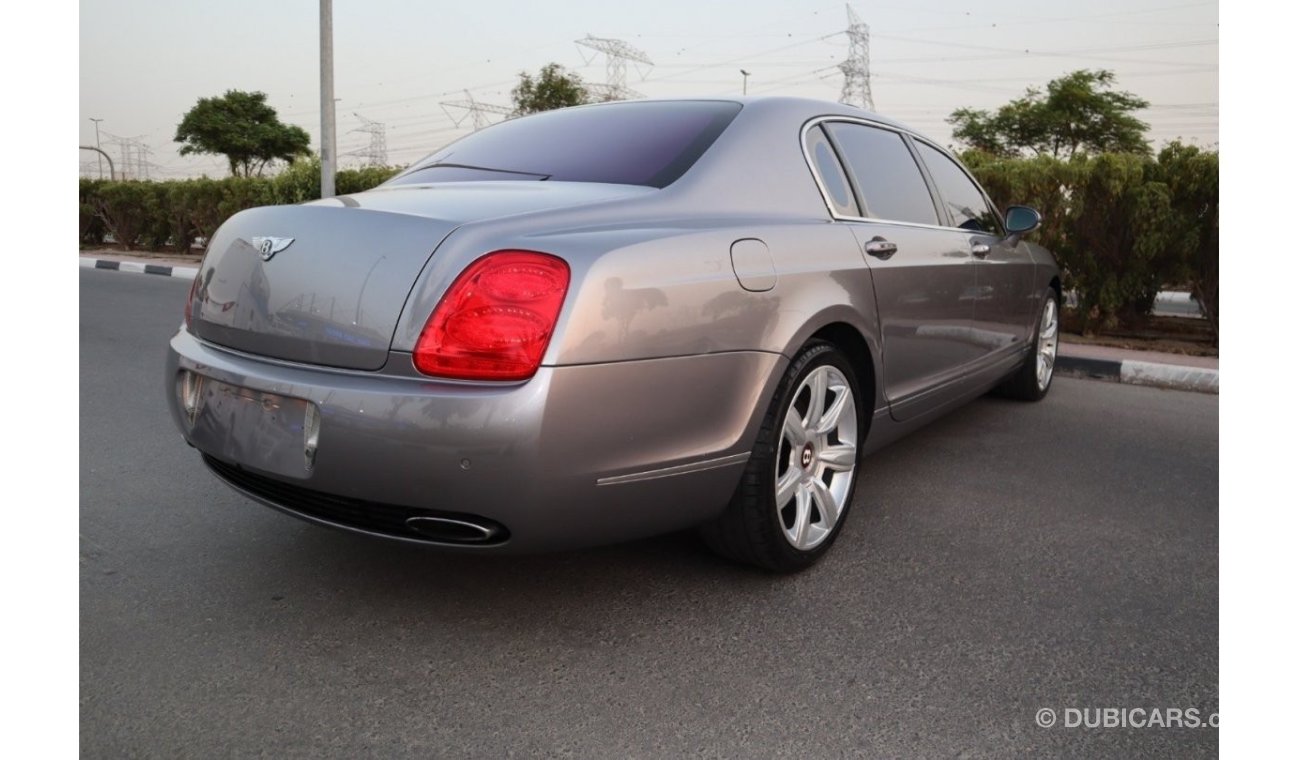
(612, 321)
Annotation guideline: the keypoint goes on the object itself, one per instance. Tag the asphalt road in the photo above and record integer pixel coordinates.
(1008, 558)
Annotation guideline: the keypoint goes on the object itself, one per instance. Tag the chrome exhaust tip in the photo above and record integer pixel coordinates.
(451, 531)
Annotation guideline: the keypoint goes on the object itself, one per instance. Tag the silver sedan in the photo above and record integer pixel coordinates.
(607, 322)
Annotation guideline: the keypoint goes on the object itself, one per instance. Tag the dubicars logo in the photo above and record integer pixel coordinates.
(269, 246)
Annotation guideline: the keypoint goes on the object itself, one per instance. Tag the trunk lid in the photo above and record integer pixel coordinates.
(331, 296)
(325, 283)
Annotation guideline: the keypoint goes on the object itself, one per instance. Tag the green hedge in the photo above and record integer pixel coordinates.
(1123, 226)
(171, 214)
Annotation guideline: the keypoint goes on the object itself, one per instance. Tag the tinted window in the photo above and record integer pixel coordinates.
(622, 143)
(831, 173)
(890, 182)
(962, 197)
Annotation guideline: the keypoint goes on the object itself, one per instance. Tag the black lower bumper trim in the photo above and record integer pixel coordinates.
(356, 514)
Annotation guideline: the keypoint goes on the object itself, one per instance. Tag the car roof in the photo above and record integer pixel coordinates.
(807, 108)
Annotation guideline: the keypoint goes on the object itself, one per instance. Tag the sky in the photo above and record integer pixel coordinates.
(144, 63)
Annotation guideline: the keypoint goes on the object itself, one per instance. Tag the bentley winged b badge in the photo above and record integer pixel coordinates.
(269, 246)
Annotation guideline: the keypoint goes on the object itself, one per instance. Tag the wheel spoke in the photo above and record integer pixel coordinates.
(830, 511)
(794, 430)
(839, 458)
(802, 517)
(817, 397)
(831, 419)
(787, 485)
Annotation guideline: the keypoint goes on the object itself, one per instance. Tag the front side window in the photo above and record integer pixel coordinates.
(648, 143)
(960, 194)
(888, 179)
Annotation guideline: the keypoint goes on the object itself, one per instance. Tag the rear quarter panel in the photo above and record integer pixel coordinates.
(676, 294)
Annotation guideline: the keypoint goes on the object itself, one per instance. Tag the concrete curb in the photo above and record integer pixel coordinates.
(1132, 372)
(165, 270)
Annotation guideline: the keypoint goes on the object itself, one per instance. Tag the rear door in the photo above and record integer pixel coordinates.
(922, 273)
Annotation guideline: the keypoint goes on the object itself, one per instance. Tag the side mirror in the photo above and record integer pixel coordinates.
(1022, 219)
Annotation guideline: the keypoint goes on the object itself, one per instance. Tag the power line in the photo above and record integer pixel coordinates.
(743, 59)
(1078, 53)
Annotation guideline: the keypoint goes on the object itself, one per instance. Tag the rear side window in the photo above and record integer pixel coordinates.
(828, 168)
(649, 144)
(960, 194)
(889, 181)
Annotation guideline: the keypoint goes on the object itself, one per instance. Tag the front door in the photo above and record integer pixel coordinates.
(1004, 299)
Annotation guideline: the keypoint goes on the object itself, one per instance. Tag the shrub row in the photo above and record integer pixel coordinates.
(172, 214)
(1122, 226)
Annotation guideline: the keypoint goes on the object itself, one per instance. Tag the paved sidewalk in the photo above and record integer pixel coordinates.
(1178, 371)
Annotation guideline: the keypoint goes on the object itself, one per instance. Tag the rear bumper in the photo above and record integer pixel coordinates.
(578, 455)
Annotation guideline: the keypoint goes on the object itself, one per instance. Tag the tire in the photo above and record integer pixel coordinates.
(811, 459)
(1034, 378)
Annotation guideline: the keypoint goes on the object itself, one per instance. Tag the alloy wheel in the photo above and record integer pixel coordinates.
(817, 456)
(1047, 341)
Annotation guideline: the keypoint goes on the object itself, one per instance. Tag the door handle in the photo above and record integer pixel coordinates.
(980, 249)
(881, 248)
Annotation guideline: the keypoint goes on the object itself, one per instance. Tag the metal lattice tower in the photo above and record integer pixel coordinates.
(617, 54)
(375, 154)
(857, 67)
(142, 162)
(135, 156)
(477, 111)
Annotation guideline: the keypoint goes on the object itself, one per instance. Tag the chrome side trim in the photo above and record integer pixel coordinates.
(667, 472)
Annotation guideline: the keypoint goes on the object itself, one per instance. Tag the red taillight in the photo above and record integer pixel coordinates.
(496, 319)
(189, 302)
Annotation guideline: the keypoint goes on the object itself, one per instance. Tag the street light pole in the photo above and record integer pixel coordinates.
(111, 174)
(327, 145)
(101, 160)
(744, 85)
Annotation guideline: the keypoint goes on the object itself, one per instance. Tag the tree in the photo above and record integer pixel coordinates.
(1121, 226)
(1192, 176)
(243, 128)
(1078, 113)
(553, 88)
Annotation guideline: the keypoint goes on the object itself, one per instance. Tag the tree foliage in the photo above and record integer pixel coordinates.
(242, 127)
(1120, 232)
(1079, 113)
(552, 88)
(1192, 176)
(1123, 226)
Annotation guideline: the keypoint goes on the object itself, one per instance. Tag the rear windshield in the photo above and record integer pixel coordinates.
(646, 143)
